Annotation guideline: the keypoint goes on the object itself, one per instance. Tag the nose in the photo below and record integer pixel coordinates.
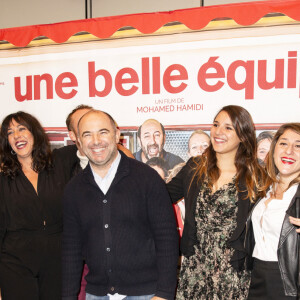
(200, 150)
(16, 134)
(96, 139)
(152, 139)
(219, 130)
(289, 149)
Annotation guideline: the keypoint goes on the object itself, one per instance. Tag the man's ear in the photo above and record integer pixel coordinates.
(72, 136)
(78, 141)
(118, 134)
(164, 140)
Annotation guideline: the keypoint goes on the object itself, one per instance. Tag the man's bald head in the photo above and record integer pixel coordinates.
(151, 136)
(98, 137)
(101, 114)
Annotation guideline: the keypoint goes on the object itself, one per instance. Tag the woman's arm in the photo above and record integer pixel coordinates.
(176, 188)
(179, 186)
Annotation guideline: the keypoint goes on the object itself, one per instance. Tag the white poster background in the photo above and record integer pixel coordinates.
(267, 106)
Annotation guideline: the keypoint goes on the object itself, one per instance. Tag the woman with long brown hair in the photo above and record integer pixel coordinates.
(31, 186)
(273, 227)
(218, 188)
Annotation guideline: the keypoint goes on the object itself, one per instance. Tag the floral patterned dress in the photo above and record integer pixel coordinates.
(208, 274)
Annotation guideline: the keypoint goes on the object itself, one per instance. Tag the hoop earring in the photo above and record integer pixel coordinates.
(13, 152)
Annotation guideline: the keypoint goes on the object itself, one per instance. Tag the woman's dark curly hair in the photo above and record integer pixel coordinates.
(41, 153)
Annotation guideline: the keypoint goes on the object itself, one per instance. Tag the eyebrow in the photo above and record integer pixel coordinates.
(100, 130)
(84, 132)
(286, 139)
(20, 125)
(215, 121)
(148, 132)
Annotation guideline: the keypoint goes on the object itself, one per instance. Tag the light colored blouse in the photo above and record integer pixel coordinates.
(267, 223)
(83, 160)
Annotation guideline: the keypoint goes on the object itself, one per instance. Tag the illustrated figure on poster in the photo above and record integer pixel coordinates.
(152, 138)
(218, 188)
(159, 165)
(198, 142)
(31, 187)
(126, 234)
(264, 141)
(272, 238)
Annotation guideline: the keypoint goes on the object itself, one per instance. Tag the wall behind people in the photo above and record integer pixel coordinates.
(16, 13)
(73, 73)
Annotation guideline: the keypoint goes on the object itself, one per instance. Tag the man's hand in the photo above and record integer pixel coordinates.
(158, 298)
(295, 221)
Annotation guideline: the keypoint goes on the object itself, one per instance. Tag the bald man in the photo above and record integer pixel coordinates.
(152, 138)
(118, 216)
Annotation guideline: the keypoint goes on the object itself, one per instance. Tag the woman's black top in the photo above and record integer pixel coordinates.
(25, 212)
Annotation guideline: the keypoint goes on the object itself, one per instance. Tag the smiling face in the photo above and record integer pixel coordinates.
(287, 155)
(197, 144)
(21, 140)
(223, 136)
(152, 140)
(98, 139)
(263, 148)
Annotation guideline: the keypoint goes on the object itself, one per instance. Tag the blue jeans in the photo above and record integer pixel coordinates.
(92, 297)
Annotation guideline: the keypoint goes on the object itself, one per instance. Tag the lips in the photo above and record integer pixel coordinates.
(287, 160)
(153, 150)
(218, 140)
(98, 150)
(20, 144)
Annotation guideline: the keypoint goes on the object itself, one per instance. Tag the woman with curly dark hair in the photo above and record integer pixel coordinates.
(218, 188)
(31, 186)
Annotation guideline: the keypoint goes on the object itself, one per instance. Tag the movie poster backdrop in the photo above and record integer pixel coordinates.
(180, 82)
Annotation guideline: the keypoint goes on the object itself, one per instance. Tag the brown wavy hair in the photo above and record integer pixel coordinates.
(41, 153)
(271, 168)
(249, 173)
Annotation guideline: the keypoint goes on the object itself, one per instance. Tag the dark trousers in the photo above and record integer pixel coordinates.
(266, 282)
(34, 276)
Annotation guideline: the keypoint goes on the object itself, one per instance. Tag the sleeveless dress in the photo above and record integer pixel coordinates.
(208, 274)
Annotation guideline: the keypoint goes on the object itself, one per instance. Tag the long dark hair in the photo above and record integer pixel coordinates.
(270, 163)
(249, 172)
(41, 153)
